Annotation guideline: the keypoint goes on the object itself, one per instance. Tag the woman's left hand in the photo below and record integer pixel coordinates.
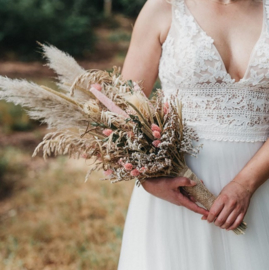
(230, 207)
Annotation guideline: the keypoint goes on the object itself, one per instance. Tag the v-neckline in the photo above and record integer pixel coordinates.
(217, 51)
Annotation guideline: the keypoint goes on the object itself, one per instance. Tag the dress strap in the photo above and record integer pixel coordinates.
(266, 6)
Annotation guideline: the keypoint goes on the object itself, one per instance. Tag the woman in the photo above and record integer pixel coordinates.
(216, 54)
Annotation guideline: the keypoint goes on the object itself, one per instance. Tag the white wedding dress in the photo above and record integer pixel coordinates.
(232, 121)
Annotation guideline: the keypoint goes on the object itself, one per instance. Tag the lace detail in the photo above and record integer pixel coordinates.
(227, 113)
(214, 104)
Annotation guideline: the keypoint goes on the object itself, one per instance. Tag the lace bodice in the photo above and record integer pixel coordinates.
(214, 104)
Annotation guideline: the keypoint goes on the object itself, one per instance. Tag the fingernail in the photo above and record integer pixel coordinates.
(193, 182)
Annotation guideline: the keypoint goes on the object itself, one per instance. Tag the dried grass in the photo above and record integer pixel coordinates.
(60, 222)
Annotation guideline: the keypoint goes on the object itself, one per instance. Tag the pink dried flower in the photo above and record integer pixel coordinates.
(97, 86)
(156, 143)
(155, 127)
(107, 131)
(156, 134)
(130, 134)
(135, 172)
(166, 107)
(121, 162)
(108, 172)
(142, 169)
(128, 166)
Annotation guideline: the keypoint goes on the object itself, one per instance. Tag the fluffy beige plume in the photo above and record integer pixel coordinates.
(43, 105)
(67, 143)
(140, 102)
(66, 68)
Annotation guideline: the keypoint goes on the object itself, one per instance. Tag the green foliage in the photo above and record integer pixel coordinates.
(14, 118)
(66, 24)
(129, 8)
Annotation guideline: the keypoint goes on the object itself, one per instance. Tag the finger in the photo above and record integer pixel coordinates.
(237, 222)
(184, 201)
(184, 181)
(202, 181)
(231, 219)
(193, 199)
(204, 217)
(215, 210)
(185, 193)
(223, 215)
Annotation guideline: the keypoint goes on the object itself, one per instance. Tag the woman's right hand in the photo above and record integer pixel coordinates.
(169, 189)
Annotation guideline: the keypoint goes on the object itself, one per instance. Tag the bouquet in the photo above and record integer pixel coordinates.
(99, 116)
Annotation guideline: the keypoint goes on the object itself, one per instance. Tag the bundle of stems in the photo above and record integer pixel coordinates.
(109, 121)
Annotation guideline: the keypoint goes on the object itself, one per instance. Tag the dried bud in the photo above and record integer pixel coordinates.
(97, 86)
(156, 134)
(156, 143)
(155, 127)
(130, 134)
(166, 107)
(107, 131)
(142, 169)
(107, 157)
(128, 166)
(135, 172)
(108, 172)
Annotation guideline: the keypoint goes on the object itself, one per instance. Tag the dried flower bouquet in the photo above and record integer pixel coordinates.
(99, 116)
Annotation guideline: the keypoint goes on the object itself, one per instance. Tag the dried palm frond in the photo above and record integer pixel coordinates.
(57, 111)
(66, 68)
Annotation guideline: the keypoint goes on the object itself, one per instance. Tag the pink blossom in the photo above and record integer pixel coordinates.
(128, 166)
(135, 172)
(97, 86)
(155, 127)
(156, 134)
(108, 172)
(156, 143)
(107, 131)
(166, 107)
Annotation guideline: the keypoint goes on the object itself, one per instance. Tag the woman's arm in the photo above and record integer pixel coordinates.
(142, 63)
(142, 59)
(231, 205)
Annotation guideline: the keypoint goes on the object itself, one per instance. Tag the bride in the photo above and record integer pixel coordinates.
(216, 53)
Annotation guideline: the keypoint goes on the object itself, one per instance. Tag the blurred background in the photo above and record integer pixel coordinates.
(50, 218)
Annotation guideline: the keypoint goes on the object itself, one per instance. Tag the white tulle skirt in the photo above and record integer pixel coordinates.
(159, 235)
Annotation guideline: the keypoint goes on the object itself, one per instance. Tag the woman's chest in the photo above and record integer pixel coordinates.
(235, 30)
(192, 54)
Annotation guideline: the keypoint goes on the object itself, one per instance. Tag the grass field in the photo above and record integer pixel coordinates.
(53, 220)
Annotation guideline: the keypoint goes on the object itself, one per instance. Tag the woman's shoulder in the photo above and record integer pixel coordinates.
(156, 17)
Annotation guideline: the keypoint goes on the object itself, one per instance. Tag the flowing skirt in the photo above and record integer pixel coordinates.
(159, 235)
